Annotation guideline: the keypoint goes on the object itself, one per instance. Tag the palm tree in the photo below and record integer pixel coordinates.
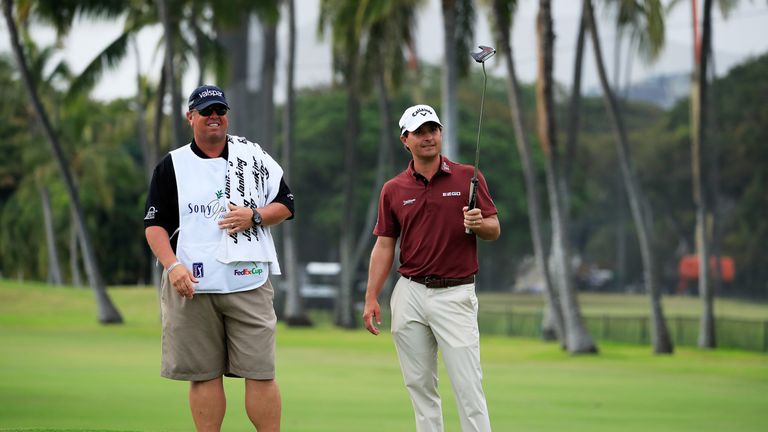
(699, 151)
(577, 337)
(252, 112)
(390, 28)
(502, 12)
(458, 30)
(107, 313)
(387, 28)
(345, 19)
(54, 270)
(295, 314)
(170, 28)
(662, 343)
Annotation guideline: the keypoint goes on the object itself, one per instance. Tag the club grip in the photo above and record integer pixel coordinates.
(472, 198)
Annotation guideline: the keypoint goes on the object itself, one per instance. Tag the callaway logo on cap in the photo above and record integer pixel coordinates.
(205, 96)
(416, 116)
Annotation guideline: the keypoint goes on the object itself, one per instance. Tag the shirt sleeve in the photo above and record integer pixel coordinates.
(285, 197)
(162, 205)
(387, 224)
(484, 200)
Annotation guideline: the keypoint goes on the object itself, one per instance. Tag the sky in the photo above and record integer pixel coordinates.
(742, 35)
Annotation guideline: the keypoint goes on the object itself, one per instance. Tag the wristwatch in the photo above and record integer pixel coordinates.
(256, 218)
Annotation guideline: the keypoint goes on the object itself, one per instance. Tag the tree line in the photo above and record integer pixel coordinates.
(628, 186)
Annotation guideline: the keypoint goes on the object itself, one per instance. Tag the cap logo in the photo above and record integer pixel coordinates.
(209, 92)
(423, 111)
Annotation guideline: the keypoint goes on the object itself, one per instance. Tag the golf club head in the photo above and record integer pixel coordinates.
(485, 53)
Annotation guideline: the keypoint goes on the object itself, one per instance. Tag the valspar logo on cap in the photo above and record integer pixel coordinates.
(416, 116)
(205, 96)
(210, 93)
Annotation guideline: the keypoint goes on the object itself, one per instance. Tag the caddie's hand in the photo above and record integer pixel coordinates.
(182, 281)
(237, 219)
(372, 312)
(473, 219)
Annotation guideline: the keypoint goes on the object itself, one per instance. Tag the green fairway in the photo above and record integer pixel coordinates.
(60, 370)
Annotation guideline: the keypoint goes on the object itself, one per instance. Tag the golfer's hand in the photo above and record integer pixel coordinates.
(237, 219)
(473, 219)
(371, 313)
(182, 281)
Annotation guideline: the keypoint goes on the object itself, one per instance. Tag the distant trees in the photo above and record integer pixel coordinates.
(109, 150)
(502, 13)
(641, 212)
(107, 312)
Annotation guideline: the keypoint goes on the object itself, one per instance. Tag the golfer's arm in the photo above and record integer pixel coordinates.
(160, 243)
(490, 229)
(382, 257)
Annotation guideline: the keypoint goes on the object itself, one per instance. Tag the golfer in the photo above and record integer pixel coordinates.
(210, 207)
(433, 303)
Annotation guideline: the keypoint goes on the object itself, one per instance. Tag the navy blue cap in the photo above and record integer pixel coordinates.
(205, 96)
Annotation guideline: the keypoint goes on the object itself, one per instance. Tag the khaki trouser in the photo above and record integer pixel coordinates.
(425, 320)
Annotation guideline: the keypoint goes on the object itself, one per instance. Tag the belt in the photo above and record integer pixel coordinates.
(438, 282)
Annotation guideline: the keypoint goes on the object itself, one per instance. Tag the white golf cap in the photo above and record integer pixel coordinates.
(416, 116)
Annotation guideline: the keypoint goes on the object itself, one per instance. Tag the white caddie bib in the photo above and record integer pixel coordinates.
(201, 205)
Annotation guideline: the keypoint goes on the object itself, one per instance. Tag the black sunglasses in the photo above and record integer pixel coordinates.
(218, 109)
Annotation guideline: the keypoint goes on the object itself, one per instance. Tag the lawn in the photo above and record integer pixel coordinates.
(59, 370)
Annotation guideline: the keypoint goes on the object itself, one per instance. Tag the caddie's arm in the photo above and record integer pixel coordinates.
(382, 257)
(179, 276)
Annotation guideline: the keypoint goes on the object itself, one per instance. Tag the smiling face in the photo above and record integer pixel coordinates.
(426, 142)
(211, 130)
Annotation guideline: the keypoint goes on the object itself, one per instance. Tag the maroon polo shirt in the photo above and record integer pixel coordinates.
(427, 217)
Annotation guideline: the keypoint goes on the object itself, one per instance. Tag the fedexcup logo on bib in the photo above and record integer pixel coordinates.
(253, 271)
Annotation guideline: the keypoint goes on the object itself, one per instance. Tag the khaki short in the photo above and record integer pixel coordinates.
(212, 335)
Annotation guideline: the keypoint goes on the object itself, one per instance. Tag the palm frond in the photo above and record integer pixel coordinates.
(106, 60)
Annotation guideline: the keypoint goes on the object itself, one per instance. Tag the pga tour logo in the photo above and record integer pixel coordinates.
(197, 270)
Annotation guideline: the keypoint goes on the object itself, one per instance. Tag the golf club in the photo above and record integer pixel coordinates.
(485, 53)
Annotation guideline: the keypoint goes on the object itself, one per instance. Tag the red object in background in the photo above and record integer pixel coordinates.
(688, 270)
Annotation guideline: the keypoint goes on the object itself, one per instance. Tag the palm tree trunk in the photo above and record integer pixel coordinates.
(54, 270)
(577, 337)
(713, 178)
(344, 308)
(269, 60)
(363, 242)
(574, 109)
(450, 77)
(170, 70)
(707, 338)
(74, 253)
(662, 343)
(157, 127)
(502, 27)
(149, 155)
(234, 40)
(294, 312)
(148, 151)
(107, 313)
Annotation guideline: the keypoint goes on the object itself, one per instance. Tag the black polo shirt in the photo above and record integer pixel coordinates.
(162, 205)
